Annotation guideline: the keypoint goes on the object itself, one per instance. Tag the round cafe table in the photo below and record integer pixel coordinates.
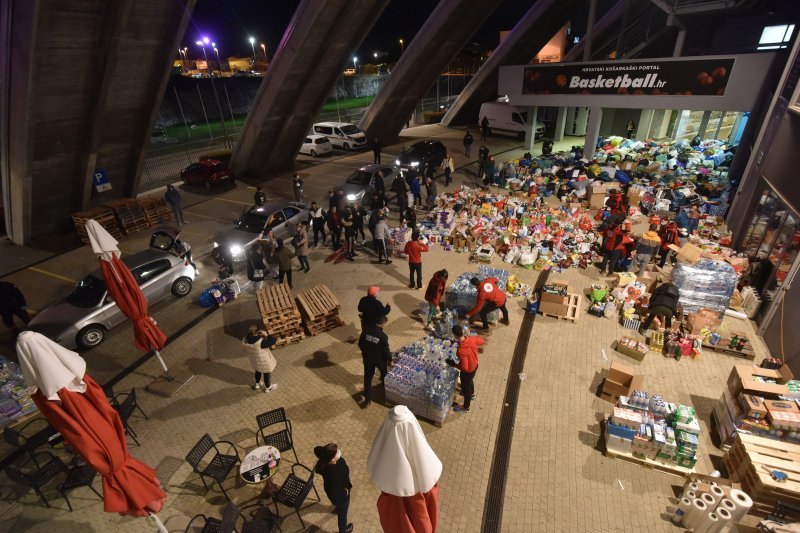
(260, 464)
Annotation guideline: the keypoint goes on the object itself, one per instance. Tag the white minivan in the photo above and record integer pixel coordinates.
(506, 118)
(342, 134)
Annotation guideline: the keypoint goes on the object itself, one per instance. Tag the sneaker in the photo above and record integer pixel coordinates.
(461, 409)
(428, 327)
(271, 387)
(411, 287)
(505, 321)
(418, 288)
(349, 528)
(257, 386)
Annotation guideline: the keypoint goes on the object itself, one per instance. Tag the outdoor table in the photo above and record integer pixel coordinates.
(256, 468)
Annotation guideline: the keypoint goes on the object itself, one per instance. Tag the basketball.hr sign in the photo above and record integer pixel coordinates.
(700, 77)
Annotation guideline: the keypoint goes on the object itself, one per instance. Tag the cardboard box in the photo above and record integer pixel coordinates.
(786, 406)
(753, 406)
(551, 308)
(598, 188)
(620, 381)
(741, 380)
(688, 253)
(597, 201)
(555, 298)
(703, 318)
(632, 348)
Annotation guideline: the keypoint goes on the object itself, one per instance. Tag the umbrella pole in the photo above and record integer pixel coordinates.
(169, 383)
(159, 523)
(163, 365)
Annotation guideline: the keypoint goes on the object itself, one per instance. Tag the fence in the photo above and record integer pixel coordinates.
(164, 165)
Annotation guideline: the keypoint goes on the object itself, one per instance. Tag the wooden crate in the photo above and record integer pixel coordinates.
(156, 210)
(319, 308)
(129, 214)
(103, 215)
(280, 314)
(750, 460)
(573, 309)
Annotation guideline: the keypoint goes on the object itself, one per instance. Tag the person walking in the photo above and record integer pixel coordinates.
(349, 232)
(663, 302)
(413, 250)
(12, 303)
(431, 192)
(669, 235)
(467, 143)
(173, 198)
(297, 183)
(318, 217)
(378, 200)
(433, 295)
(334, 227)
(467, 365)
(335, 481)
(375, 352)
(646, 248)
(283, 258)
(300, 243)
(259, 198)
(484, 127)
(376, 152)
(331, 199)
(630, 128)
(359, 213)
(490, 297)
(371, 309)
(261, 358)
(256, 267)
(400, 188)
(381, 232)
(449, 167)
(415, 188)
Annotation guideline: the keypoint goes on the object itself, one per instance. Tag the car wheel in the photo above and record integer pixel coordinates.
(181, 287)
(313, 153)
(346, 147)
(90, 336)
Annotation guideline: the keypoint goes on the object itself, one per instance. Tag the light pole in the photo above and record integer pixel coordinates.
(219, 61)
(253, 46)
(202, 44)
(401, 46)
(264, 49)
(355, 64)
(355, 82)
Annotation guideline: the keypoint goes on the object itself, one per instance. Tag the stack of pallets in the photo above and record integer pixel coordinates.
(280, 315)
(156, 210)
(103, 215)
(320, 309)
(129, 214)
(751, 460)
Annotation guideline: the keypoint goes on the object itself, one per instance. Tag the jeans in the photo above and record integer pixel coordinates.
(304, 262)
(487, 308)
(612, 260)
(467, 149)
(447, 176)
(369, 373)
(341, 513)
(412, 269)
(336, 238)
(467, 386)
(178, 212)
(267, 378)
(287, 274)
(642, 260)
(383, 255)
(319, 228)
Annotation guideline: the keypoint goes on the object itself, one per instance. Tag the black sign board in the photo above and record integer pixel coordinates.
(690, 77)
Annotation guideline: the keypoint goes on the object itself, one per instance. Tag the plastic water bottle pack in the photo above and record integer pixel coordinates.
(420, 372)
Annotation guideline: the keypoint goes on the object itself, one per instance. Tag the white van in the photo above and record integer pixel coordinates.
(342, 134)
(506, 118)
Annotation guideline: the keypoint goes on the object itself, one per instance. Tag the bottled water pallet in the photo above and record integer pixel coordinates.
(573, 309)
(418, 407)
(674, 470)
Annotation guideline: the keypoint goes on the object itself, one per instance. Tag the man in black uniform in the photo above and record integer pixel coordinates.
(374, 345)
(371, 309)
(259, 197)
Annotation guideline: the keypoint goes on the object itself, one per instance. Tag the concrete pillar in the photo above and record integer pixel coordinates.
(661, 123)
(735, 134)
(587, 49)
(592, 131)
(530, 130)
(561, 121)
(701, 131)
(644, 124)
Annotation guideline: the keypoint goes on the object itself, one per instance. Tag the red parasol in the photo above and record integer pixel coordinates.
(411, 514)
(76, 407)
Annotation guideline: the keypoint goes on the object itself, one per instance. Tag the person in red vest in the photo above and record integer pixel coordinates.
(490, 297)
(615, 203)
(620, 246)
(433, 295)
(669, 235)
(467, 365)
(413, 250)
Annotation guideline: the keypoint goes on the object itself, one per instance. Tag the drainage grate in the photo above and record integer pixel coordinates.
(496, 490)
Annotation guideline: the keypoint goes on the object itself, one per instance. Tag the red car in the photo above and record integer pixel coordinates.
(208, 173)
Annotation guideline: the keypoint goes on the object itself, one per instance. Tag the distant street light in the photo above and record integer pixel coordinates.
(264, 49)
(401, 46)
(375, 55)
(219, 61)
(355, 64)
(253, 46)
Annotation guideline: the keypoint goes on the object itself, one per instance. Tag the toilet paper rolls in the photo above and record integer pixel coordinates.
(692, 486)
(708, 521)
(727, 504)
(724, 518)
(695, 514)
(710, 501)
(680, 512)
(689, 494)
(717, 492)
(743, 503)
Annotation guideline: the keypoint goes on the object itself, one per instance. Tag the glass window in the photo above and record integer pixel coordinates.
(252, 222)
(149, 271)
(758, 241)
(88, 292)
(775, 37)
(276, 218)
(289, 212)
(516, 118)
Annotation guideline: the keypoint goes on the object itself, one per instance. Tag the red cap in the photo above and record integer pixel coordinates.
(373, 290)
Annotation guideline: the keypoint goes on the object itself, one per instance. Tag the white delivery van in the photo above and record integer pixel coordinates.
(506, 118)
(341, 134)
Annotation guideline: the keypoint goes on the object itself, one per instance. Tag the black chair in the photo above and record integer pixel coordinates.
(220, 465)
(230, 520)
(128, 396)
(294, 491)
(29, 436)
(39, 478)
(125, 410)
(282, 440)
(78, 476)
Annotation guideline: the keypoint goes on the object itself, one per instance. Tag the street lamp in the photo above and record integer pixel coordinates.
(219, 61)
(375, 55)
(355, 64)
(264, 49)
(401, 46)
(253, 46)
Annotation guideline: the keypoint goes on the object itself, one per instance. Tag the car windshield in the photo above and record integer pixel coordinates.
(359, 177)
(88, 292)
(252, 222)
(350, 130)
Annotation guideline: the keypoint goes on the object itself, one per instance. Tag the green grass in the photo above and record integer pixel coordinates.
(350, 103)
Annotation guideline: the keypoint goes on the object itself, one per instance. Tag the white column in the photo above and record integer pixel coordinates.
(701, 131)
(561, 122)
(592, 131)
(530, 130)
(644, 124)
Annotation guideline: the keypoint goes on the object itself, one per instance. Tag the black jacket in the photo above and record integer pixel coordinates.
(374, 345)
(665, 298)
(336, 481)
(11, 297)
(372, 310)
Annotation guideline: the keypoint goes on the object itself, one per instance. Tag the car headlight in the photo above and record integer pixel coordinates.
(397, 162)
(351, 197)
(415, 163)
(236, 249)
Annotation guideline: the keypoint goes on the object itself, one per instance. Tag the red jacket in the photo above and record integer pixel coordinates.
(435, 290)
(414, 251)
(669, 235)
(488, 291)
(468, 353)
(611, 235)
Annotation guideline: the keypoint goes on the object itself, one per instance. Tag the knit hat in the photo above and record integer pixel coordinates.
(373, 290)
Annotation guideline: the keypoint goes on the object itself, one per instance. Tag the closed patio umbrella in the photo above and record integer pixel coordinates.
(405, 468)
(76, 407)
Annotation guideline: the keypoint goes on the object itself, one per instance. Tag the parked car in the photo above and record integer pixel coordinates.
(360, 186)
(341, 134)
(315, 145)
(279, 217)
(85, 315)
(208, 173)
(509, 119)
(421, 155)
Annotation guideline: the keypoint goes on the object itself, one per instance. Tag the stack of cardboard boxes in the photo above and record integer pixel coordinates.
(555, 298)
(596, 194)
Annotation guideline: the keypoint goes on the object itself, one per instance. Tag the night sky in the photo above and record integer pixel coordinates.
(230, 22)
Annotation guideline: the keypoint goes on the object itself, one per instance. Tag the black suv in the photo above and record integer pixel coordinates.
(422, 155)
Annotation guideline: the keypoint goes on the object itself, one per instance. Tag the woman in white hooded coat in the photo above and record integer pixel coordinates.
(261, 358)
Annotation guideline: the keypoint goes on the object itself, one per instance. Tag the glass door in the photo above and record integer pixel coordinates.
(762, 228)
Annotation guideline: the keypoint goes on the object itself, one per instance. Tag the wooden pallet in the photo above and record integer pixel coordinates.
(279, 313)
(129, 213)
(573, 309)
(156, 210)
(286, 339)
(320, 309)
(103, 215)
(674, 470)
(746, 354)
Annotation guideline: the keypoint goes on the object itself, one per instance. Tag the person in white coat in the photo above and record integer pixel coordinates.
(263, 362)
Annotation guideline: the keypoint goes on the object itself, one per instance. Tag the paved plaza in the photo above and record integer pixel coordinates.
(558, 478)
